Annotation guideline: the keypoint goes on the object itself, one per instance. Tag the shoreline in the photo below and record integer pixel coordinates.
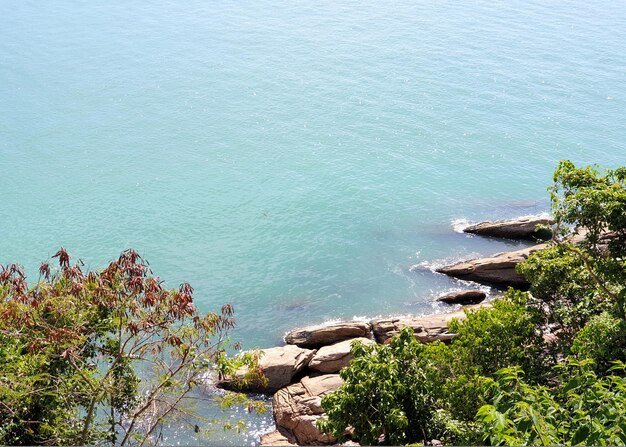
(303, 370)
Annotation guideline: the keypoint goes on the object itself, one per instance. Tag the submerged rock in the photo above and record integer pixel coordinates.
(297, 408)
(474, 296)
(521, 228)
(330, 359)
(321, 335)
(498, 269)
(277, 366)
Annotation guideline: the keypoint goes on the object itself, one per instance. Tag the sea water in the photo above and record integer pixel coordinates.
(303, 161)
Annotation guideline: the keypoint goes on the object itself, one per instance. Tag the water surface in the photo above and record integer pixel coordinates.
(296, 159)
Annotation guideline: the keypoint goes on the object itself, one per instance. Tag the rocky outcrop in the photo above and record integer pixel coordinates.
(474, 296)
(277, 437)
(521, 228)
(498, 269)
(277, 367)
(426, 329)
(297, 408)
(322, 335)
(330, 359)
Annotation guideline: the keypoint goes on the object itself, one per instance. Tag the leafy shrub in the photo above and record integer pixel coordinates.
(583, 409)
(507, 334)
(603, 340)
(385, 396)
(409, 392)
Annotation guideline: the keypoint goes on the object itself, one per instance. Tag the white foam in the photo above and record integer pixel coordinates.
(443, 262)
(458, 225)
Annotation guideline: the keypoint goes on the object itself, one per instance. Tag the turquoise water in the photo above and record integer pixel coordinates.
(296, 159)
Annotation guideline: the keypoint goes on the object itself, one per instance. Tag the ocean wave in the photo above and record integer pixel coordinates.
(434, 264)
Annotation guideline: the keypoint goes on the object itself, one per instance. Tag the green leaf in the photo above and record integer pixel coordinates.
(580, 435)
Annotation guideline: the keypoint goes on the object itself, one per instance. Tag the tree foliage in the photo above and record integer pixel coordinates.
(100, 356)
(408, 392)
(584, 272)
(385, 395)
(583, 409)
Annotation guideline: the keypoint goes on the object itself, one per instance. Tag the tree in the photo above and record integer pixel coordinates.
(100, 355)
(385, 397)
(583, 273)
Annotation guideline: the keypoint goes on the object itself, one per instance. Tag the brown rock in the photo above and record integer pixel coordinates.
(521, 228)
(277, 438)
(278, 366)
(330, 359)
(427, 329)
(463, 297)
(297, 408)
(498, 269)
(321, 335)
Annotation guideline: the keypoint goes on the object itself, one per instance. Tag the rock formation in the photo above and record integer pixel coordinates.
(427, 329)
(474, 296)
(278, 437)
(297, 408)
(277, 365)
(521, 228)
(330, 359)
(321, 335)
(498, 269)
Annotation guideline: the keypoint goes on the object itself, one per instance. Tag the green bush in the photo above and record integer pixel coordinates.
(582, 409)
(386, 395)
(507, 334)
(603, 340)
(408, 392)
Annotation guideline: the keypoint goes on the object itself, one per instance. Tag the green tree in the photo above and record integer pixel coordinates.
(88, 357)
(584, 272)
(386, 396)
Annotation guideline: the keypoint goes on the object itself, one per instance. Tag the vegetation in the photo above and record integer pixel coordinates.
(499, 381)
(582, 409)
(407, 392)
(584, 271)
(92, 357)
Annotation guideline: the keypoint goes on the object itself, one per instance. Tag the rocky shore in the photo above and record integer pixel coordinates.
(298, 377)
(303, 371)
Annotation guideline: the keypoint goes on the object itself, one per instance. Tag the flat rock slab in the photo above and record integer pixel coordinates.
(297, 408)
(521, 228)
(322, 335)
(498, 269)
(330, 359)
(277, 365)
(463, 297)
(427, 329)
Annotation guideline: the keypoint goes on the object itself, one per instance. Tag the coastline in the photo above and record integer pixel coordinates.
(299, 373)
